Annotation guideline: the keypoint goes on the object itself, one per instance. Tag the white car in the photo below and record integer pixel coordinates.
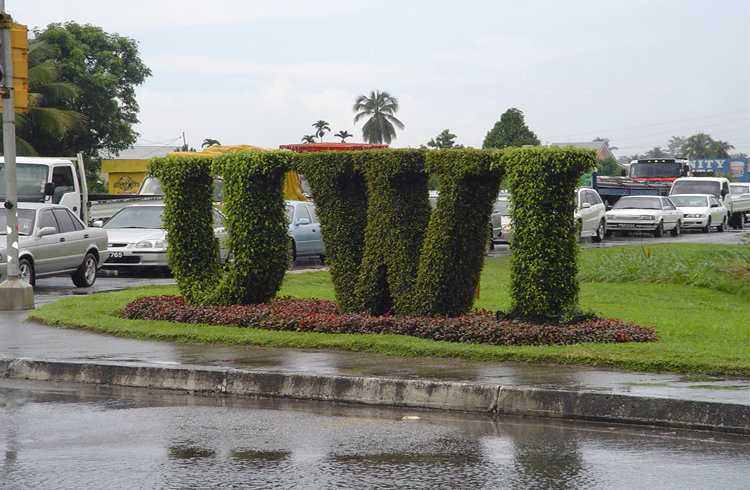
(590, 214)
(137, 237)
(52, 241)
(655, 214)
(702, 211)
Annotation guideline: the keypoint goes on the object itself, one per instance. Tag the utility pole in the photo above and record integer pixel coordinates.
(15, 294)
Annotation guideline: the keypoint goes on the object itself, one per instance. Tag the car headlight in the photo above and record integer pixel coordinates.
(647, 217)
(160, 244)
(611, 217)
(695, 215)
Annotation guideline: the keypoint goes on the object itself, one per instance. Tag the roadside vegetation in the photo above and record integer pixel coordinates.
(696, 297)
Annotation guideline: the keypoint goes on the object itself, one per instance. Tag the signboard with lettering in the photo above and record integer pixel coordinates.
(732, 168)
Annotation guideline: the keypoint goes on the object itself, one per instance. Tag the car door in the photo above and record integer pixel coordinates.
(590, 214)
(46, 248)
(716, 210)
(671, 213)
(304, 231)
(316, 243)
(74, 238)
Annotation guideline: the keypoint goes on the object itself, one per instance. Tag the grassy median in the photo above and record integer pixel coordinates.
(697, 297)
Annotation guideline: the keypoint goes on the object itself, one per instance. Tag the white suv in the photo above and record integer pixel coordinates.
(590, 214)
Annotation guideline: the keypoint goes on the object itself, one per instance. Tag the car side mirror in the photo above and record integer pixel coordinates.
(47, 230)
(586, 205)
(303, 221)
(98, 223)
(49, 188)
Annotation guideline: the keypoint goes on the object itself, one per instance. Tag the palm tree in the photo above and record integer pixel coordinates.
(209, 142)
(379, 107)
(698, 146)
(308, 138)
(321, 127)
(343, 135)
(42, 130)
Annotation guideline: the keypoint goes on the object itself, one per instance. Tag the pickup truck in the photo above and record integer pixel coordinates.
(60, 180)
(737, 208)
(741, 196)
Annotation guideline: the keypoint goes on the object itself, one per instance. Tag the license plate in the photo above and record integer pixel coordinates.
(115, 255)
(627, 225)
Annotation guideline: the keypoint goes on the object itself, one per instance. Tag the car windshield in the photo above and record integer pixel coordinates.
(696, 187)
(25, 222)
(148, 217)
(30, 180)
(638, 203)
(739, 189)
(290, 213)
(690, 201)
(647, 170)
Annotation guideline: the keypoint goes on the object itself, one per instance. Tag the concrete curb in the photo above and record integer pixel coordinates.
(441, 395)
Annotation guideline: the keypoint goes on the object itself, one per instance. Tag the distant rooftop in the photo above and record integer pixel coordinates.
(141, 153)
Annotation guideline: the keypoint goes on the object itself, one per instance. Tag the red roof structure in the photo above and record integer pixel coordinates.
(303, 147)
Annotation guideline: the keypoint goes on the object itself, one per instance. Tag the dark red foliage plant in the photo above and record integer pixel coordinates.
(314, 315)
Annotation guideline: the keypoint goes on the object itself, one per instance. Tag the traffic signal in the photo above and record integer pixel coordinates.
(19, 44)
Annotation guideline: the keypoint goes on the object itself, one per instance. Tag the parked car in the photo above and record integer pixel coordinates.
(701, 211)
(502, 227)
(740, 194)
(137, 237)
(304, 229)
(591, 214)
(53, 241)
(655, 214)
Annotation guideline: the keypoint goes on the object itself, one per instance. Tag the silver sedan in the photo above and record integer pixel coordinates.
(52, 241)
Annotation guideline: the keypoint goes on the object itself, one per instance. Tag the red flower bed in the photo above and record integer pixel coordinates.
(312, 315)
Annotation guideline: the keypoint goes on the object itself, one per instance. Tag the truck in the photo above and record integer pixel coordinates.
(719, 187)
(649, 176)
(61, 180)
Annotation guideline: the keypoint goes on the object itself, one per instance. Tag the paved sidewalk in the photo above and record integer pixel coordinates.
(34, 351)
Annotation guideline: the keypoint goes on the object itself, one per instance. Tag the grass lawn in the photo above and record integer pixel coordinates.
(697, 297)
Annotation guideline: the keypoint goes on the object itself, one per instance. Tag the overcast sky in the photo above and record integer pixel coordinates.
(262, 72)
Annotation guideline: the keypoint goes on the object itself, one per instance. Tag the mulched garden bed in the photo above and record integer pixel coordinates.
(313, 315)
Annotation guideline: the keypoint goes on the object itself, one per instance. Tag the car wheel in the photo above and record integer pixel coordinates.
(707, 228)
(723, 225)
(659, 231)
(26, 271)
(607, 234)
(676, 230)
(740, 222)
(85, 276)
(322, 258)
(601, 232)
(292, 254)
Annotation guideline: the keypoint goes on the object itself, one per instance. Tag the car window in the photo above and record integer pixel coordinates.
(63, 180)
(667, 204)
(302, 213)
(65, 221)
(313, 214)
(218, 219)
(46, 218)
(713, 201)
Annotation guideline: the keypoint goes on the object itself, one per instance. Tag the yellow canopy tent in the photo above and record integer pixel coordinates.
(292, 184)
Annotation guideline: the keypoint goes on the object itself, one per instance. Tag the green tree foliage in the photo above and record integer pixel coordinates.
(209, 142)
(106, 68)
(48, 120)
(510, 130)
(321, 128)
(381, 124)
(444, 140)
(609, 166)
(542, 183)
(343, 135)
(697, 146)
(308, 138)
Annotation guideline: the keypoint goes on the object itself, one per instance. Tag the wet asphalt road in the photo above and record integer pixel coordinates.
(59, 436)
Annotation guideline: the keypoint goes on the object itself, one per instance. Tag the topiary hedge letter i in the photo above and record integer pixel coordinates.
(542, 182)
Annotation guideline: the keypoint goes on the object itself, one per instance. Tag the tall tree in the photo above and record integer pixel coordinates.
(444, 141)
(308, 138)
(209, 142)
(701, 145)
(106, 68)
(48, 119)
(343, 135)
(510, 130)
(321, 128)
(674, 146)
(379, 108)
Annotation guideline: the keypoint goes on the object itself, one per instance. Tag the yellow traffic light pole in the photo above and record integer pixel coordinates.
(15, 294)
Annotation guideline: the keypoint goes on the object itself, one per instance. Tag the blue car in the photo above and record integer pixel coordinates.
(304, 228)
